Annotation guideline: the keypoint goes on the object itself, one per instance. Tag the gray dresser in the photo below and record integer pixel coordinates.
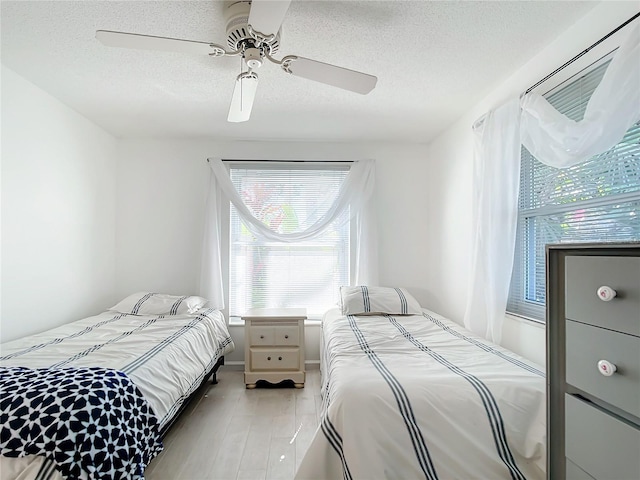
(593, 361)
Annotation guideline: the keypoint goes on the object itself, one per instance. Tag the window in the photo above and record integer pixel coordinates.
(288, 197)
(597, 200)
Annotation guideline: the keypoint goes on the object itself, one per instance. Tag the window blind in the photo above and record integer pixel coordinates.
(306, 274)
(595, 201)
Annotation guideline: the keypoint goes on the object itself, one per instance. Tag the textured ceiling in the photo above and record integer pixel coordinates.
(433, 60)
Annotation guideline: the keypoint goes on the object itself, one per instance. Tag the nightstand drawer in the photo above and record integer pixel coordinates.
(274, 359)
(586, 345)
(262, 335)
(586, 274)
(286, 336)
(601, 445)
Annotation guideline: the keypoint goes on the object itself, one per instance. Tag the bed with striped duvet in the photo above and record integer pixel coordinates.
(419, 396)
(166, 356)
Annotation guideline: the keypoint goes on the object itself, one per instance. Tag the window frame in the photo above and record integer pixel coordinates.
(589, 60)
(225, 217)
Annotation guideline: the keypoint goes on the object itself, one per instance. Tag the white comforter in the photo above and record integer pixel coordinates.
(166, 356)
(419, 396)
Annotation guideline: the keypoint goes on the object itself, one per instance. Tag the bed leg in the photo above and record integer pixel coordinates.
(214, 378)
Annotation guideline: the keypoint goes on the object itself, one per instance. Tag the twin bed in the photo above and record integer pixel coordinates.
(406, 393)
(92, 398)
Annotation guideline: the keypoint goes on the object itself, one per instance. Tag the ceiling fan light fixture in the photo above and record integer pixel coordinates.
(253, 58)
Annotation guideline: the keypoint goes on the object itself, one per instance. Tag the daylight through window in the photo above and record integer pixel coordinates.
(269, 274)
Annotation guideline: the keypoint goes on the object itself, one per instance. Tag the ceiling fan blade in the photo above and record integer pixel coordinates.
(266, 16)
(150, 42)
(330, 74)
(243, 94)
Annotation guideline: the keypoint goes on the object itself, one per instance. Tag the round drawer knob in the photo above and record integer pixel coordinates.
(261, 336)
(268, 358)
(286, 336)
(606, 294)
(279, 358)
(606, 368)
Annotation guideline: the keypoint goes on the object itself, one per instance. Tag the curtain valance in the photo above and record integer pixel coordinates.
(353, 195)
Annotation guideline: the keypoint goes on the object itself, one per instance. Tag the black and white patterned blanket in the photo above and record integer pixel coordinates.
(93, 422)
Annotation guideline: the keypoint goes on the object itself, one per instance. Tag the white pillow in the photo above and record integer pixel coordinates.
(364, 300)
(148, 303)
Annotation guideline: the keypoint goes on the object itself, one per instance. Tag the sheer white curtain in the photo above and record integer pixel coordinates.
(211, 285)
(496, 174)
(553, 139)
(355, 196)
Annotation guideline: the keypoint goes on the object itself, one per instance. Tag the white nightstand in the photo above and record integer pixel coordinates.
(274, 345)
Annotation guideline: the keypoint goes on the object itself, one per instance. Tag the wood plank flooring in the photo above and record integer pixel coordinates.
(231, 433)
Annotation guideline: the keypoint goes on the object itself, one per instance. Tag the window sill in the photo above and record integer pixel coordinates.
(528, 320)
(238, 322)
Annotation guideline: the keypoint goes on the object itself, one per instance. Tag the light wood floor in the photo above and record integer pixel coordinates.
(231, 433)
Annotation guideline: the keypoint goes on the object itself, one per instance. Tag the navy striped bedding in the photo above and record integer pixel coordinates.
(420, 397)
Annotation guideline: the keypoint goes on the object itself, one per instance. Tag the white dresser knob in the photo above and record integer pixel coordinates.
(606, 368)
(606, 294)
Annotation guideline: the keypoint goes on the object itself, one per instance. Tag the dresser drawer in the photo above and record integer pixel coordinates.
(274, 359)
(601, 445)
(586, 274)
(586, 345)
(574, 472)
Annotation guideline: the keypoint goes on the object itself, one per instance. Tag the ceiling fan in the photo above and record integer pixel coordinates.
(253, 32)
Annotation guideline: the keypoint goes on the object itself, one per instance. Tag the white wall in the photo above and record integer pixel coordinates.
(58, 212)
(162, 189)
(451, 160)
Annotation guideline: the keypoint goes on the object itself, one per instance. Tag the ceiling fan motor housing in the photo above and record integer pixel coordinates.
(236, 17)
